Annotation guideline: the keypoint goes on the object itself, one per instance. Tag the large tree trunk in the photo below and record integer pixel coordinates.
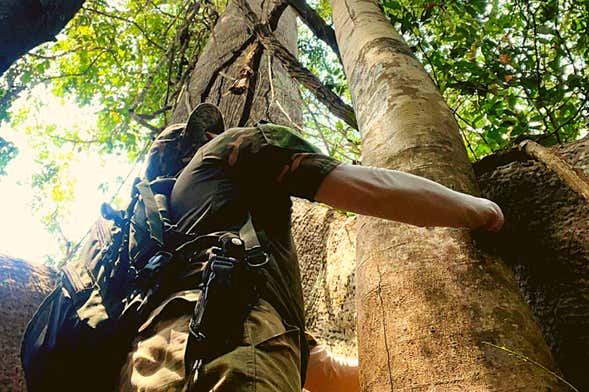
(25, 24)
(546, 241)
(432, 310)
(227, 52)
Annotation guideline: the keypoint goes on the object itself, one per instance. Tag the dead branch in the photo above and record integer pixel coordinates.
(296, 69)
(246, 72)
(575, 179)
(154, 114)
(140, 120)
(316, 24)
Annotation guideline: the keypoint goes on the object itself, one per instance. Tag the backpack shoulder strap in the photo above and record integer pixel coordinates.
(256, 257)
(154, 195)
(154, 219)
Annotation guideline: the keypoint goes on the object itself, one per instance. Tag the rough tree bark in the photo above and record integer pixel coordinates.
(325, 241)
(25, 24)
(22, 288)
(547, 244)
(431, 308)
(230, 48)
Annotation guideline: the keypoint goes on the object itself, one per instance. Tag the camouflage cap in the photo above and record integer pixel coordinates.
(175, 146)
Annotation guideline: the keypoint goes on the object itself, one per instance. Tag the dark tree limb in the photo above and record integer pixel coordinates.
(575, 179)
(140, 120)
(316, 24)
(154, 114)
(25, 24)
(296, 69)
(275, 14)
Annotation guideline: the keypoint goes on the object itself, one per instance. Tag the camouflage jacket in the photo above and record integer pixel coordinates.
(255, 170)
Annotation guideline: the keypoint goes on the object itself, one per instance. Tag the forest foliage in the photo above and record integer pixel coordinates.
(508, 70)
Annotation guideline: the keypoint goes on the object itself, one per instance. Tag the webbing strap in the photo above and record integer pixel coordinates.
(255, 258)
(248, 234)
(152, 215)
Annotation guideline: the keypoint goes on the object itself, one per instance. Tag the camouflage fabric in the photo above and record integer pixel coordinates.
(255, 170)
(268, 358)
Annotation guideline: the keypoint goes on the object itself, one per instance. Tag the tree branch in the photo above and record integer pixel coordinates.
(316, 24)
(132, 22)
(154, 130)
(575, 179)
(296, 69)
(276, 13)
(152, 115)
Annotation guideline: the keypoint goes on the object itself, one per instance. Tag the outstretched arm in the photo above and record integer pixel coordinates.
(407, 198)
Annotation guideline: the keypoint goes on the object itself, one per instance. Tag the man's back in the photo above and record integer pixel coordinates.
(254, 171)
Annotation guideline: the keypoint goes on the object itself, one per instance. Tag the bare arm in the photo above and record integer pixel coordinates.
(407, 198)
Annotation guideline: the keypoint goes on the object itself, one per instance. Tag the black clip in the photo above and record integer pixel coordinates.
(148, 274)
(110, 213)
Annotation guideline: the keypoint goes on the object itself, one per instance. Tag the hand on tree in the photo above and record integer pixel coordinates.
(486, 215)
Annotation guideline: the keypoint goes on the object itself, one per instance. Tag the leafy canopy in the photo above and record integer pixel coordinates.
(509, 71)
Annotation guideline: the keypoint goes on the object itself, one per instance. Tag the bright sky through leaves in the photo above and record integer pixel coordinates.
(509, 71)
(95, 179)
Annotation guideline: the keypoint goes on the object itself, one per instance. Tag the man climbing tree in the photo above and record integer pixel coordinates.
(234, 53)
(250, 173)
(240, 182)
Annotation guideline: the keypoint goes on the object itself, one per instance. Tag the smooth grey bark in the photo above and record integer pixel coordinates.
(433, 310)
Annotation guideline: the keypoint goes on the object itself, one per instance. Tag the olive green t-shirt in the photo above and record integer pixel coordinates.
(255, 170)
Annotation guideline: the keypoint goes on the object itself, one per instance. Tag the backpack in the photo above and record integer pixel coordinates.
(81, 333)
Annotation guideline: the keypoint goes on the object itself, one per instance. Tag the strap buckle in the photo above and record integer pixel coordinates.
(256, 257)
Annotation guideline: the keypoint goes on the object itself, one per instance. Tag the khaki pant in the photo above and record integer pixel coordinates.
(268, 359)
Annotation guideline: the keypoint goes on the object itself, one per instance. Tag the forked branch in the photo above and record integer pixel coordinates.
(315, 23)
(296, 70)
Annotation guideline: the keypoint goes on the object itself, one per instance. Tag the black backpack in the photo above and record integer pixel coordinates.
(80, 335)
